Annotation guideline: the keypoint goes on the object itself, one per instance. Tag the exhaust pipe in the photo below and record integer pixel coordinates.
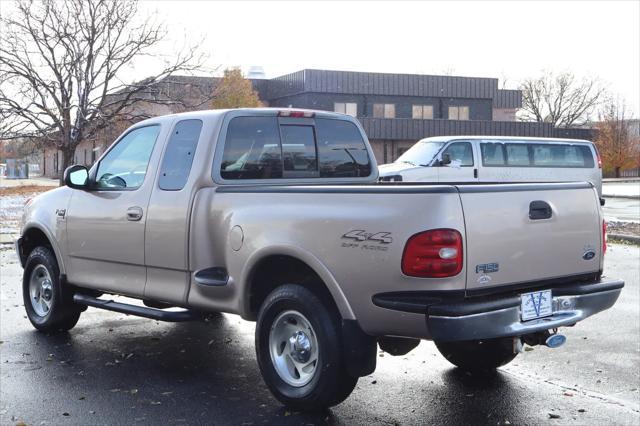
(555, 341)
(545, 338)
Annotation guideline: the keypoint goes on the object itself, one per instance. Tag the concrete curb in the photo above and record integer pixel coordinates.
(627, 197)
(621, 180)
(622, 237)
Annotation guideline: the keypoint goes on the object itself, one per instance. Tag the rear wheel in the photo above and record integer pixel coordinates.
(299, 350)
(49, 306)
(478, 355)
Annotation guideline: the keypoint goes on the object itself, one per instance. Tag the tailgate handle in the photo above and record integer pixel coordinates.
(539, 210)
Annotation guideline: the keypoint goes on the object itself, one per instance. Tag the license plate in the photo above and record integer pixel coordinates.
(537, 304)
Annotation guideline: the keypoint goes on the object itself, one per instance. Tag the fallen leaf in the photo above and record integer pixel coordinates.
(554, 416)
(567, 394)
(581, 410)
(374, 382)
(82, 398)
(66, 414)
(528, 349)
(156, 403)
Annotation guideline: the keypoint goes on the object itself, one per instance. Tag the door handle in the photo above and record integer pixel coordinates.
(539, 210)
(134, 214)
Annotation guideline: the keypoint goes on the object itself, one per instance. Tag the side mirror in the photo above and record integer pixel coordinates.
(446, 159)
(76, 177)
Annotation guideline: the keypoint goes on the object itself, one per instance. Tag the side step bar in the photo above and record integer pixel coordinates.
(140, 311)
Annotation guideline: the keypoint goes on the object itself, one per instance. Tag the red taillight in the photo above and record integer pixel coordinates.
(604, 237)
(433, 254)
(296, 114)
(598, 158)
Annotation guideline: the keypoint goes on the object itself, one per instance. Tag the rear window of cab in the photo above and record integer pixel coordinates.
(265, 148)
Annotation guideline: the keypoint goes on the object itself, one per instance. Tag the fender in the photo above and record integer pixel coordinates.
(54, 242)
(307, 257)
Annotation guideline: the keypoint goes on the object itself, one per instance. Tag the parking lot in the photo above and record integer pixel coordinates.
(115, 369)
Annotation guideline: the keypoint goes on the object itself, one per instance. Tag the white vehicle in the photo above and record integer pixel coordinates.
(497, 159)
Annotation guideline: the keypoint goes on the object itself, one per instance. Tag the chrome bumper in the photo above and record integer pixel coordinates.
(570, 305)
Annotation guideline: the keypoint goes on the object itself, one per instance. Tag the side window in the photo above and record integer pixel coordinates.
(553, 155)
(384, 110)
(341, 149)
(252, 149)
(492, 154)
(178, 156)
(349, 108)
(518, 155)
(299, 151)
(461, 152)
(125, 166)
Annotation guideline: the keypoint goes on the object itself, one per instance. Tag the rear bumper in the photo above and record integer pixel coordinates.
(499, 316)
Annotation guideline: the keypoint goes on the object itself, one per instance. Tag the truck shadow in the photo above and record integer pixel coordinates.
(131, 370)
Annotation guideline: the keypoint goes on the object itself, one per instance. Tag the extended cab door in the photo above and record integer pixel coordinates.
(105, 225)
(463, 166)
(169, 212)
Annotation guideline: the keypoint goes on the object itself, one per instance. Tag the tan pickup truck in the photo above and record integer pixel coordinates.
(277, 215)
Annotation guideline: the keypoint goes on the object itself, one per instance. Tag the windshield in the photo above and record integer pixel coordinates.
(421, 153)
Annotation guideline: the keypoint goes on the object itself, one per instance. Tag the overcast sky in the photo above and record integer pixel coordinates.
(507, 40)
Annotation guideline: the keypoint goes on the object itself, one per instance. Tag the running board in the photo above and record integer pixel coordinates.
(140, 311)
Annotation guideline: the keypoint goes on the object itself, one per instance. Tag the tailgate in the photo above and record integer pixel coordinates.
(530, 232)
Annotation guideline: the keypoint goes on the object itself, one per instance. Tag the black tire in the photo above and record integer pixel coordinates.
(330, 383)
(62, 314)
(478, 355)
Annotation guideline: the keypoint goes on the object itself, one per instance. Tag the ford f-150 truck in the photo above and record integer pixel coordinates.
(277, 216)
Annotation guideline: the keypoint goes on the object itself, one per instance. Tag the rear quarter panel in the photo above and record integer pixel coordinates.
(311, 226)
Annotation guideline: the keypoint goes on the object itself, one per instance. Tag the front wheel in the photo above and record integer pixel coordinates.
(479, 355)
(48, 304)
(299, 350)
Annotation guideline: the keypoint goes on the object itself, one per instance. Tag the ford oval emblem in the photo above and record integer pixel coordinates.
(589, 254)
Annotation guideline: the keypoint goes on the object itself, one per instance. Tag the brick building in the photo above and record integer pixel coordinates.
(395, 110)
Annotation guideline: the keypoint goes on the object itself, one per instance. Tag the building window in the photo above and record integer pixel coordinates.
(384, 110)
(349, 108)
(458, 112)
(422, 112)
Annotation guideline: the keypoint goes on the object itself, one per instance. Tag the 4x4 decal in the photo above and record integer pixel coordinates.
(361, 235)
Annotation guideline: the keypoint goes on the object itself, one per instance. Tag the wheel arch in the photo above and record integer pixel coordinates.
(34, 235)
(273, 266)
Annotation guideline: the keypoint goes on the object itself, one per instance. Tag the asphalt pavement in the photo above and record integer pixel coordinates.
(117, 369)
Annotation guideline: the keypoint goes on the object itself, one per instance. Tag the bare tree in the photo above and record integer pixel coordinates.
(619, 148)
(560, 99)
(62, 64)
